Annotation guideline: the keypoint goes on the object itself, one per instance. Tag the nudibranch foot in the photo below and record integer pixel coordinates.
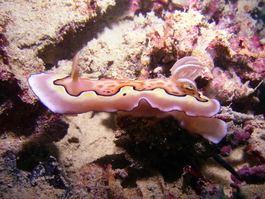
(210, 128)
(73, 95)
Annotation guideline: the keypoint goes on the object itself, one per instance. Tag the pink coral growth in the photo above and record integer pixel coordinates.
(226, 150)
(134, 5)
(238, 137)
(259, 66)
(250, 175)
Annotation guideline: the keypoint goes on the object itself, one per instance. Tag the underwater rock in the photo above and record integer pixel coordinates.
(236, 191)
(257, 139)
(50, 172)
(94, 181)
(3, 44)
(248, 191)
(202, 186)
(17, 183)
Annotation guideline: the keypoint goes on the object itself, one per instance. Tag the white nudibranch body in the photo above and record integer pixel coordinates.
(177, 96)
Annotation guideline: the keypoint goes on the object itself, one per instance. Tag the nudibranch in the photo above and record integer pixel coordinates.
(177, 96)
